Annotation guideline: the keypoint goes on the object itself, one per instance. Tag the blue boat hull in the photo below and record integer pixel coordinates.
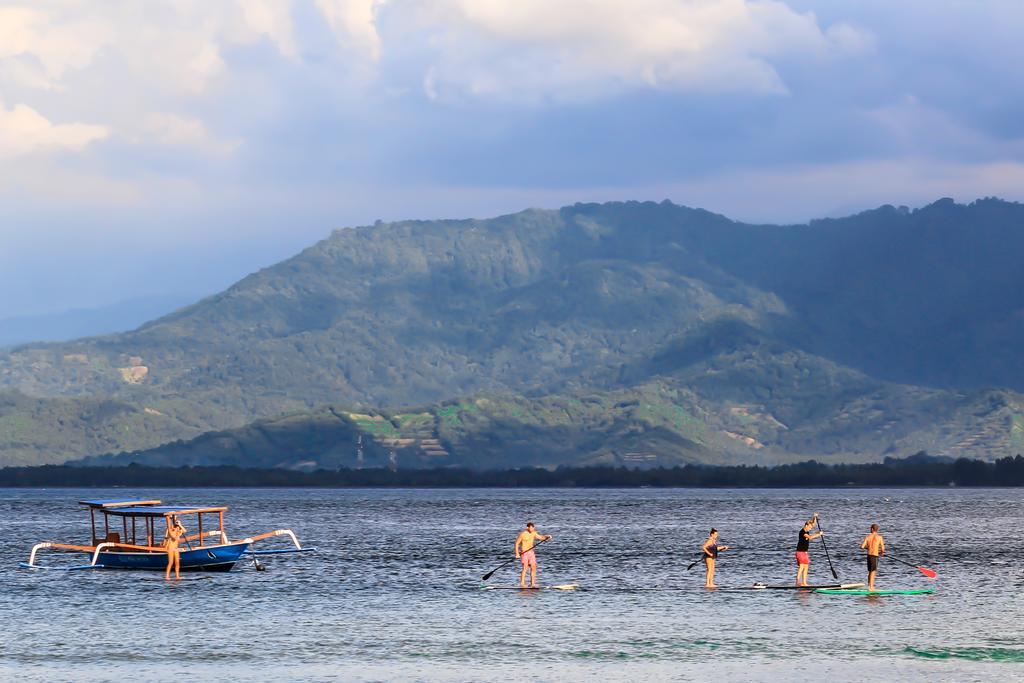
(210, 558)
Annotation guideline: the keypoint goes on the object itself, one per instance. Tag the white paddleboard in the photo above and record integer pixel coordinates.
(561, 587)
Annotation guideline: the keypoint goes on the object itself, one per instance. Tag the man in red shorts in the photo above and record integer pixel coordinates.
(524, 551)
(803, 558)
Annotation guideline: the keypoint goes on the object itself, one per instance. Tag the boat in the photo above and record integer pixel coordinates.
(131, 536)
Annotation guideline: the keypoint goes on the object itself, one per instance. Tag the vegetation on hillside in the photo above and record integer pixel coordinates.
(41, 431)
(656, 424)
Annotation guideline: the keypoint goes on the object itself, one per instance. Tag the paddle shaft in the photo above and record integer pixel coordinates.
(930, 573)
(491, 573)
(822, 537)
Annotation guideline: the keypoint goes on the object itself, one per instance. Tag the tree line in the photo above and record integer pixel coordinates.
(1007, 471)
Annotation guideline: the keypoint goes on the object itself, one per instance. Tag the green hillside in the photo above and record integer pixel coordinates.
(654, 424)
(37, 431)
(861, 337)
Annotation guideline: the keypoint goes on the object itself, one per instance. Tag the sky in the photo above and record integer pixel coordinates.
(172, 146)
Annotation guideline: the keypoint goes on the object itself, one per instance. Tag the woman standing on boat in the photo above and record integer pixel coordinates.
(175, 531)
(711, 550)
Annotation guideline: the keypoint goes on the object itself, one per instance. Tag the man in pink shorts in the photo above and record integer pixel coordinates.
(524, 551)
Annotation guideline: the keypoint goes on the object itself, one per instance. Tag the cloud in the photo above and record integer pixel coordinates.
(23, 131)
(572, 49)
(161, 72)
(353, 23)
(54, 45)
(172, 130)
(850, 39)
(271, 19)
(322, 113)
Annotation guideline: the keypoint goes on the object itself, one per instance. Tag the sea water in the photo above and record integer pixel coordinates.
(394, 592)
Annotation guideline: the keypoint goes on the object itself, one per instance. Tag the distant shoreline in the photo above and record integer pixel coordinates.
(925, 473)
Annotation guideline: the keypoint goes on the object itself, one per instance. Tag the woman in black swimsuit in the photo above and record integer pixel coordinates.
(711, 550)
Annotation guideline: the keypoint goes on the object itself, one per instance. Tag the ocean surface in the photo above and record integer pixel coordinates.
(394, 593)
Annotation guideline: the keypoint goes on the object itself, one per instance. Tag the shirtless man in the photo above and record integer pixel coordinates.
(875, 545)
(803, 546)
(524, 551)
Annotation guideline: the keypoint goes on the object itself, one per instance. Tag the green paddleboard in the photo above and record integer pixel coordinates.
(839, 591)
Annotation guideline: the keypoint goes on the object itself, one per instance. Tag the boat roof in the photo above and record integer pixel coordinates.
(161, 511)
(117, 503)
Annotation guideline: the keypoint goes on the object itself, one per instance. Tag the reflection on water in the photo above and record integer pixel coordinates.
(395, 591)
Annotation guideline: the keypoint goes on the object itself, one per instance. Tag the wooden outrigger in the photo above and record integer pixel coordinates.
(132, 538)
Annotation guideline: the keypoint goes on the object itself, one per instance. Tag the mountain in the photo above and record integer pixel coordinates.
(88, 322)
(853, 334)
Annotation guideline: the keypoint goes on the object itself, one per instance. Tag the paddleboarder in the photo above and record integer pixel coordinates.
(524, 551)
(875, 545)
(803, 544)
(710, 551)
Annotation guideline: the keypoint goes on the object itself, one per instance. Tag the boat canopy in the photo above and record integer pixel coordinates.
(160, 511)
(107, 503)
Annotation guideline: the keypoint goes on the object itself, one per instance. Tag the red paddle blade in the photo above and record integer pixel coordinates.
(931, 574)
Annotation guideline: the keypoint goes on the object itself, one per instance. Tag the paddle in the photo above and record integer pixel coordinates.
(255, 562)
(701, 557)
(930, 573)
(490, 573)
(822, 537)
